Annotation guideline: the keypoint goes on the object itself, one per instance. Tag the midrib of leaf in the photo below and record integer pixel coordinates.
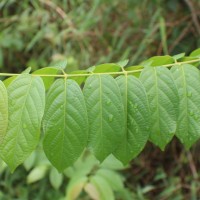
(157, 100)
(186, 104)
(126, 108)
(101, 106)
(64, 110)
(17, 140)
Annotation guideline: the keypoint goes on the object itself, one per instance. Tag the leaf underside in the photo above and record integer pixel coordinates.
(187, 79)
(65, 123)
(163, 101)
(26, 101)
(105, 115)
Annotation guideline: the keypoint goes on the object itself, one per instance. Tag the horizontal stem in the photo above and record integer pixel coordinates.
(89, 74)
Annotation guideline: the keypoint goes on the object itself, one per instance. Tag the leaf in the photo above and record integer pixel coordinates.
(187, 79)
(75, 186)
(123, 63)
(26, 102)
(195, 53)
(30, 161)
(103, 188)
(105, 115)
(9, 80)
(158, 61)
(137, 118)
(107, 67)
(37, 174)
(3, 111)
(178, 56)
(48, 80)
(55, 178)
(65, 123)
(163, 101)
(136, 68)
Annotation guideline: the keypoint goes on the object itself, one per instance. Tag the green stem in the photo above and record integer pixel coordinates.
(110, 73)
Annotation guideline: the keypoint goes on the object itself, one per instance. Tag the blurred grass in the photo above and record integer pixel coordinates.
(37, 32)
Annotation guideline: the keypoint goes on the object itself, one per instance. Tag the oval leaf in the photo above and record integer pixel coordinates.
(187, 79)
(26, 101)
(65, 123)
(105, 115)
(137, 118)
(163, 101)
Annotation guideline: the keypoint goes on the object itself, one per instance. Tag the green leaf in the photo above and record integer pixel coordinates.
(123, 63)
(105, 114)
(136, 68)
(75, 186)
(30, 161)
(48, 80)
(187, 79)
(136, 116)
(158, 61)
(103, 188)
(65, 123)
(37, 174)
(55, 178)
(107, 67)
(178, 56)
(26, 100)
(9, 80)
(3, 111)
(195, 53)
(163, 101)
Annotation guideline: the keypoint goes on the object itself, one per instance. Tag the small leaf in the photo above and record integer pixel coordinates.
(105, 115)
(79, 79)
(187, 79)
(26, 102)
(29, 162)
(123, 63)
(65, 123)
(27, 70)
(163, 101)
(195, 53)
(55, 178)
(107, 67)
(3, 111)
(37, 174)
(178, 56)
(9, 80)
(75, 186)
(158, 61)
(137, 118)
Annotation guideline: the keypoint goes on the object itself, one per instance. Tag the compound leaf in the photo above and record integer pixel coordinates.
(187, 79)
(105, 115)
(26, 101)
(163, 100)
(136, 116)
(3, 111)
(65, 123)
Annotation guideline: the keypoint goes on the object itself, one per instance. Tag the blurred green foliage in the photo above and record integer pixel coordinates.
(85, 33)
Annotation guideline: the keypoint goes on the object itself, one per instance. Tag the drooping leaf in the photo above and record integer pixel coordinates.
(3, 111)
(48, 80)
(55, 178)
(136, 116)
(163, 101)
(105, 115)
(65, 123)
(75, 187)
(187, 79)
(26, 101)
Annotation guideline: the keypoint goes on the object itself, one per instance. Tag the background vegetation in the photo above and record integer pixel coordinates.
(36, 32)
